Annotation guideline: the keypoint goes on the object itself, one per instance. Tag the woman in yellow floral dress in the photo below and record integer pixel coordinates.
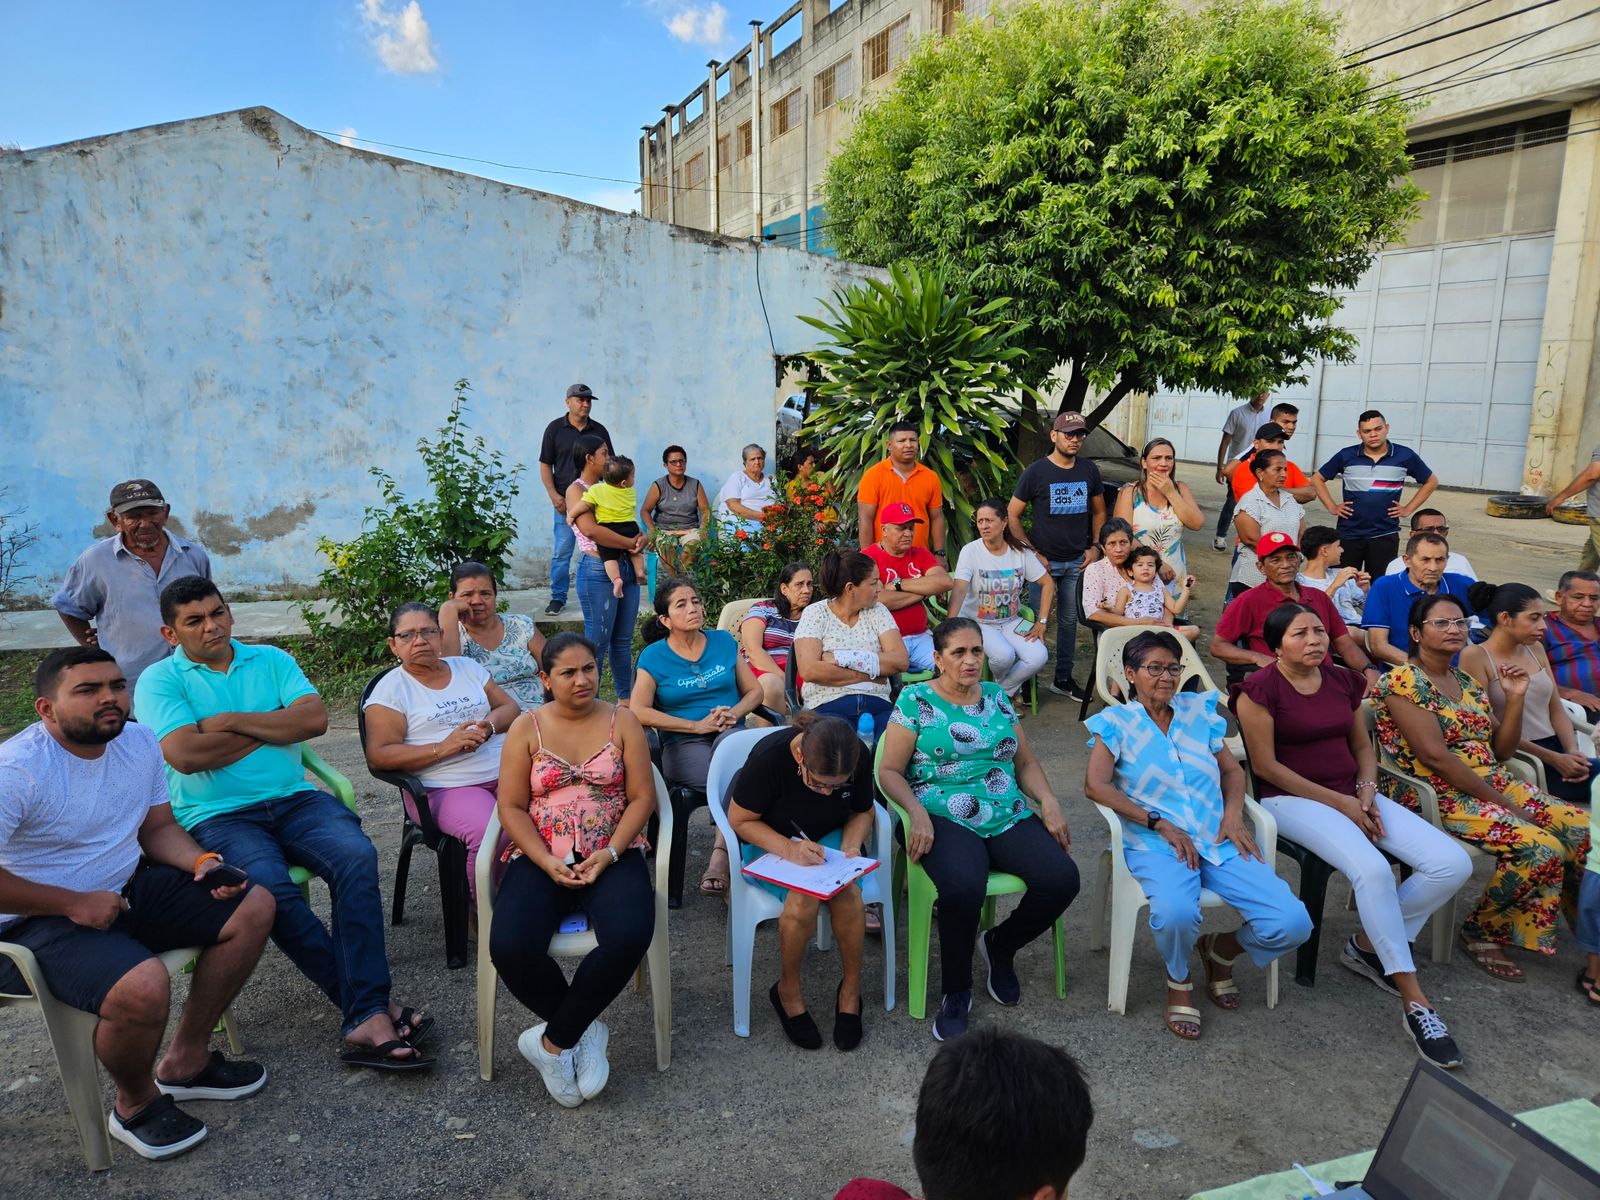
(1437, 724)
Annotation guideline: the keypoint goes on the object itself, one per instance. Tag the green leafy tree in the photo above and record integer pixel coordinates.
(920, 348)
(1169, 195)
(406, 548)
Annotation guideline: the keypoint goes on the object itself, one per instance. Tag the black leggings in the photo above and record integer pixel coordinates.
(621, 911)
(959, 864)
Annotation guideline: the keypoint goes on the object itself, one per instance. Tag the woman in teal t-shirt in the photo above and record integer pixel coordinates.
(692, 686)
(956, 759)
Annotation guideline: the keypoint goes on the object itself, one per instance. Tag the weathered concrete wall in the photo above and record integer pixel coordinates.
(253, 316)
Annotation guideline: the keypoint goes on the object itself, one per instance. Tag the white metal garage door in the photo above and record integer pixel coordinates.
(1449, 343)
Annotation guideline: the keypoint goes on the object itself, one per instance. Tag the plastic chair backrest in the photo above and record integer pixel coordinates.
(734, 613)
(1110, 681)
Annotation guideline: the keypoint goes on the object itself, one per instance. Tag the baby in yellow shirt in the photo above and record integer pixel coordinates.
(615, 504)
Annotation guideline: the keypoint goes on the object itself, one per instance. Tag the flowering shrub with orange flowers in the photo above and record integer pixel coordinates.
(734, 563)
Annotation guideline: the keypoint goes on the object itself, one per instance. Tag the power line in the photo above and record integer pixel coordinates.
(1419, 28)
(1430, 89)
(1366, 62)
(1507, 44)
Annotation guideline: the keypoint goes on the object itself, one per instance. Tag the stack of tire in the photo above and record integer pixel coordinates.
(1528, 508)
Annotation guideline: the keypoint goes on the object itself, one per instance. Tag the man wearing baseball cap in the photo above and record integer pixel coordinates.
(910, 574)
(557, 472)
(1245, 618)
(1069, 506)
(111, 595)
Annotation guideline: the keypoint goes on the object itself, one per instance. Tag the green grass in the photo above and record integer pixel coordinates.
(16, 688)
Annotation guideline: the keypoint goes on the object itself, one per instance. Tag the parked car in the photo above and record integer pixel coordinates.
(1118, 461)
(791, 413)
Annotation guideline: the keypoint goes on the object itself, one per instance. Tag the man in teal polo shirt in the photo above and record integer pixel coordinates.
(230, 719)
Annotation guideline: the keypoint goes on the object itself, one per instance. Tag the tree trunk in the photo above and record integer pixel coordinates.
(1072, 396)
(1114, 397)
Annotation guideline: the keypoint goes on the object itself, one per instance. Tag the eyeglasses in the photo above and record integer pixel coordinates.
(1431, 529)
(411, 635)
(1442, 624)
(817, 785)
(1075, 433)
(1170, 670)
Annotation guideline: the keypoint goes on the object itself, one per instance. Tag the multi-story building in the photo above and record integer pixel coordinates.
(1477, 333)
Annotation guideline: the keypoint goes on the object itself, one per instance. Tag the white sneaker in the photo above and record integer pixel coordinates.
(1219, 543)
(593, 1067)
(558, 1071)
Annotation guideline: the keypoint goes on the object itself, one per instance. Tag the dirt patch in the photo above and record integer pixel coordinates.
(221, 534)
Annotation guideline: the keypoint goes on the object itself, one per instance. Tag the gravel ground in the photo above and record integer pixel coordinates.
(1313, 1079)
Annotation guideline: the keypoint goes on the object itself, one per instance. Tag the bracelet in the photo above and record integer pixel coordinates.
(1371, 783)
(613, 850)
(492, 730)
(208, 856)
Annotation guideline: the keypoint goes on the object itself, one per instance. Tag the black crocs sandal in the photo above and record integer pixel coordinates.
(800, 1030)
(219, 1079)
(1589, 986)
(381, 1057)
(158, 1130)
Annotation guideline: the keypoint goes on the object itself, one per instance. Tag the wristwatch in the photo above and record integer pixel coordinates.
(1152, 819)
(896, 585)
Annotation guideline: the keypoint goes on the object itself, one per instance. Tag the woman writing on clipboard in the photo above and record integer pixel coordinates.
(806, 786)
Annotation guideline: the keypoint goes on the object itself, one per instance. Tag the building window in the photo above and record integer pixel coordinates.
(724, 145)
(786, 114)
(951, 11)
(745, 142)
(835, 84)
(1489, 182)
(694, 171)
(884, 51)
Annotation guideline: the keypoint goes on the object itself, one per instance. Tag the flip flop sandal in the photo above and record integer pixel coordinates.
(1589, 987)
(1182, 1014)
(713, 882)
(874, 919)
(410, 1028)
(1492, 967)
(379, 1057)
(1223, 992)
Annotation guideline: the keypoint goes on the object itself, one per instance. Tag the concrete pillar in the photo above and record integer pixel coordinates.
(644, 174)
(755, 127)
(1567, 385)
(672, 178)
(714, 192)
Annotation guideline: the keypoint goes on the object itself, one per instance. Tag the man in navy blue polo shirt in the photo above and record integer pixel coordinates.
(1386, 615)
(1374, 473)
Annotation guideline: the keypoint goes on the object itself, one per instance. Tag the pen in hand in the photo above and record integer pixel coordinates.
(814, 854)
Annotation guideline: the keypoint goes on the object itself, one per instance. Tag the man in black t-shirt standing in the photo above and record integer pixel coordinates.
(557, 471)
(1069, 506)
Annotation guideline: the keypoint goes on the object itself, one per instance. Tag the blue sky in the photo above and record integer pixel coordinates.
(540, 83)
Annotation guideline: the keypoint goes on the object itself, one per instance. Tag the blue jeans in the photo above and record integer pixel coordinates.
(608, 622)
(561, 548)
(313, 830)
(849, 708)
(1066, 575)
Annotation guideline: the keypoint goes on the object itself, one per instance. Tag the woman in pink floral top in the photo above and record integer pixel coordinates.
(576, 789)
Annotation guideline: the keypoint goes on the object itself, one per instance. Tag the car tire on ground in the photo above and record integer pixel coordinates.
(1516, 508)
(1573, 514)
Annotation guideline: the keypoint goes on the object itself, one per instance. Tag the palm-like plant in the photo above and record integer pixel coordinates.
(921, 348)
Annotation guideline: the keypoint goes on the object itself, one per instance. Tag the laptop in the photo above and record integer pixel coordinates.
(1446, 1142)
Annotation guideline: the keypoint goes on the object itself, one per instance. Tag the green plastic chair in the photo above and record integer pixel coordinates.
(921, 894)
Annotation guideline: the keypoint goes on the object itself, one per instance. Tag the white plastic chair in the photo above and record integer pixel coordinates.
(734, 612)
(658, 958)
(72, 1038)
(749, 904)
(1581, 726)
(1111, 685)
(1119, 898)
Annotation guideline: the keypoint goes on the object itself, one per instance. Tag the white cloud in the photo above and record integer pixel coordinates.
(622, 199)
(706, 24)
(347, 136)
(401, 37)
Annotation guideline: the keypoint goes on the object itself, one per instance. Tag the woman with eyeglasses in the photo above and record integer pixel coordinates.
(1316, 772)
(1436, 723)
(1159, 763)
(806, 786)
(676, 507)
(442, 719)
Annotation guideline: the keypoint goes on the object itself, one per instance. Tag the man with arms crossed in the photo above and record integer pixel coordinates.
(1572, 640)
(910, 576)
(901, 479)
(230, 719)
(97, 879)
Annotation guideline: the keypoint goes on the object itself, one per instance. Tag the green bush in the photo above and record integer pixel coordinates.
(406, 548)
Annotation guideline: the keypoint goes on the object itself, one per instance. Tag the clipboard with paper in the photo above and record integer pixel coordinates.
(824, 881)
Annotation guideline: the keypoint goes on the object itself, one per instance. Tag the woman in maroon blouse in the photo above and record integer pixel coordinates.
(1316, 770)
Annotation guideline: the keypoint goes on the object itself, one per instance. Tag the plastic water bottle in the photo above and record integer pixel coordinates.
(865, 730)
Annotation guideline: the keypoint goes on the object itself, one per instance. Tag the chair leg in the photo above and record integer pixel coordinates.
(231, 1028)
(1444, 927)
(659, 960)
(888, 952)
(824, 929)
(488, 993)
(743, 935)
(986, 916)
(1059, 937)
(409, 837)
(72, 1039)
(1124, 928)
(919, 935)
(1100, 922)
(1314, 877)
(455, 899)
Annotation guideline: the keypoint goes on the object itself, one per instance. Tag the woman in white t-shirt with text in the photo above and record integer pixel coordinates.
(992, 576)
(847, 646)
(442, 720)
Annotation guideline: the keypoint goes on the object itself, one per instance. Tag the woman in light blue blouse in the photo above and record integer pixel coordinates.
(1159, 763)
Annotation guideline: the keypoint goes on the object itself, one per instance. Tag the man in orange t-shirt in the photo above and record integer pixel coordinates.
(901, 479)
(1270, 436)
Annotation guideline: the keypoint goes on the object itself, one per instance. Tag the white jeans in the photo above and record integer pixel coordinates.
(1013, 659)
(1392, 916)
(919, 648)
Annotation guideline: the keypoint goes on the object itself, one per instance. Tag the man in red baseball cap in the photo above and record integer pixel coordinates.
(1245, 617)
(910, 574)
